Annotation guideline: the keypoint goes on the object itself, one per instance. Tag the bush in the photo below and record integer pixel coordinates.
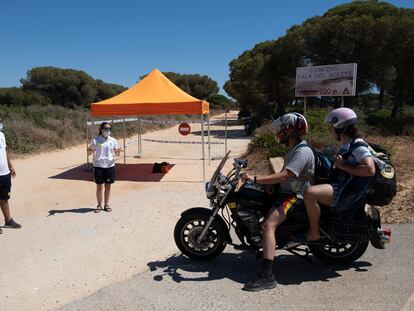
(385, 125)
(37, 128)
(318, 137)
(265, 142)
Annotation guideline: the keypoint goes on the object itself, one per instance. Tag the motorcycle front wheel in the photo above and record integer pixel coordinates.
(340, 254)
(186, 233)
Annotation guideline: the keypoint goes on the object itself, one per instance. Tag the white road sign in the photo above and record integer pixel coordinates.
(326, 80)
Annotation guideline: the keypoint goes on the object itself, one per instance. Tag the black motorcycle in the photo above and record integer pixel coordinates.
(203, 233)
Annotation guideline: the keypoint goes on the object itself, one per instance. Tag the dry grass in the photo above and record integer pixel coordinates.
(401, 210)
(34, 129)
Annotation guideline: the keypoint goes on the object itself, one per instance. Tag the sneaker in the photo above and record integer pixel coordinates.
(12, 224)
(261, 283)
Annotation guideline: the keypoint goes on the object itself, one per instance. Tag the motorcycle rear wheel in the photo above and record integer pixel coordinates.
(188, 229)
(340, 254)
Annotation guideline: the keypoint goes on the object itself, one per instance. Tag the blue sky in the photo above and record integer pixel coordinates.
(118, 41)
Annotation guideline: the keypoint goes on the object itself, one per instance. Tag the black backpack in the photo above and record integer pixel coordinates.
(323, 166)
(383, 186)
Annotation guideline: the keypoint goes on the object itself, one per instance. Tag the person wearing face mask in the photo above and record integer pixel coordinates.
(104, 149)
(6, 172)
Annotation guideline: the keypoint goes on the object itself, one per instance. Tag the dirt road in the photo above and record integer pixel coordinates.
(65, 251)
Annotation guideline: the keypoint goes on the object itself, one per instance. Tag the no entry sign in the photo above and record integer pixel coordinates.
(184, 128)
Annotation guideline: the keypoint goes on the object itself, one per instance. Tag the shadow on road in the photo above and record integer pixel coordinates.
(73, 210)
(241, 267)
(231, 134)
(141, 172)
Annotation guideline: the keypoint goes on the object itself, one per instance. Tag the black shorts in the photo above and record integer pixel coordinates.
(5, 187)
(104, 175)
(286, 203)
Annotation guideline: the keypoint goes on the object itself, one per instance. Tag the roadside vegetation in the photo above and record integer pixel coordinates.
(50, 109)
(376, 35)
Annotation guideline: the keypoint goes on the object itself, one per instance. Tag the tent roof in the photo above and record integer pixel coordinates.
(155, 94)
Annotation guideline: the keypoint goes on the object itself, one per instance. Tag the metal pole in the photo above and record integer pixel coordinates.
(209, 142)
(202, 146)
(304, 105)
(225, 133)
(139, 137)
(87, 139)
(342, 101)
(123, 125)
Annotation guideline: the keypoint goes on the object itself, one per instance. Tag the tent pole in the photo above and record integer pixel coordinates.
(209, 142)
(139, 137)
(87, 139)
(202, 146)
(123, 129)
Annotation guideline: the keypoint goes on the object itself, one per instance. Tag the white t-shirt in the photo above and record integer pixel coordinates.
(104, 154)
(301, 162)
(4, 166)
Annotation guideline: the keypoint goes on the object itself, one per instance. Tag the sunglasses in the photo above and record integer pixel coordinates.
(107, 129)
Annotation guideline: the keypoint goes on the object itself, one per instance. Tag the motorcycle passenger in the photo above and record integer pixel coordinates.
(354, 172)
(295, 177)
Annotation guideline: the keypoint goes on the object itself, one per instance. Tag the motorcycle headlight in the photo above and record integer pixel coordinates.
(211, 191)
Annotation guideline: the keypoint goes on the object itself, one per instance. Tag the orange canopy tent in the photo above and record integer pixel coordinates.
(154, 94)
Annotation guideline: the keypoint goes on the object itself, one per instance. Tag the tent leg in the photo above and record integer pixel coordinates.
(209, 142)
(123, 129)
(139, 138)
(202, 146)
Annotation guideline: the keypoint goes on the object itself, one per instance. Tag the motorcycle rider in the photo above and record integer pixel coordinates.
(354, 172)
(295, 177)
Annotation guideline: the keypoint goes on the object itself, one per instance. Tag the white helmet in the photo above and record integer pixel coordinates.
(291, 120)
(341, 118)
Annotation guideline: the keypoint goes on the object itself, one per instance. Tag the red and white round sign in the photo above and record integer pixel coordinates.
(184, 128)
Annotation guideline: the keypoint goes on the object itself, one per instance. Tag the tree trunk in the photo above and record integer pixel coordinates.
(399, 100)
(337, 102)
(381, 98)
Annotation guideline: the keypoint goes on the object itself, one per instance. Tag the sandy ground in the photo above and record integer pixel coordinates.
(65, 251)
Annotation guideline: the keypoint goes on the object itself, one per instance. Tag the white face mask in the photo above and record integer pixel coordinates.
(106, 134)
(1, 126)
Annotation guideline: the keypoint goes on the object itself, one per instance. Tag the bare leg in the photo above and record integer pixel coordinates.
(273, 219)
(5, 209)
(266, 279)
(107, 193)
(312, 197)
(99, 194)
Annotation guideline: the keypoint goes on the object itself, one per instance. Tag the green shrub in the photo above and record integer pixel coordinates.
(385, 125)
(265, 142)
